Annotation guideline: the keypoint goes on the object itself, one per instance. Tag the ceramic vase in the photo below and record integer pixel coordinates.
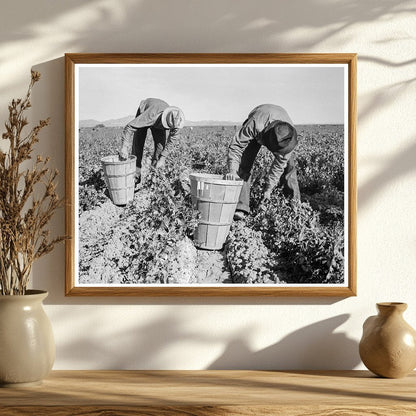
(388, 345)
(27, 347)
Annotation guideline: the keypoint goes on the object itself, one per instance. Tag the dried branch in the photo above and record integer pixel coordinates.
(23, 218)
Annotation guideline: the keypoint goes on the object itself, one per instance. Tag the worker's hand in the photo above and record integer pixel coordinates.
(267, 194)
(266, 198)
(161, 162)
(123, 154)
(231, 176)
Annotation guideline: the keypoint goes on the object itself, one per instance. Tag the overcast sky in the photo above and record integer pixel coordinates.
(309, 94)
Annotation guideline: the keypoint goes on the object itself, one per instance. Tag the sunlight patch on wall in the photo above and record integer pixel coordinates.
(41, 42)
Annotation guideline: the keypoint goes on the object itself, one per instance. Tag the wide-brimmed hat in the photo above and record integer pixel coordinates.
(282, 145)
(173, 118)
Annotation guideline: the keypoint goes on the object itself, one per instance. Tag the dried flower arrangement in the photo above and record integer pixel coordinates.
(28, 199)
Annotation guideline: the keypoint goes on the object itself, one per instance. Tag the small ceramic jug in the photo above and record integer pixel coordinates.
(388, 345)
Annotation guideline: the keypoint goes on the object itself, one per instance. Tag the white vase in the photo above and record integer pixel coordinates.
(27, 347)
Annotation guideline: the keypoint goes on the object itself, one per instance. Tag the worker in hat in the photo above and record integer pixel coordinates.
(164, 122)
(267, 125)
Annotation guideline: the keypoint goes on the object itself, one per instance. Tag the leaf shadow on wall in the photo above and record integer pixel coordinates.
(116, 347)
(193, 26)
(399, 165)
(403, 162)
(315, 346)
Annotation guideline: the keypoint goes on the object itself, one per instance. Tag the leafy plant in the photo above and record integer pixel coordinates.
(28, 199)
(168, 219)
(151, 231)
(306, 249)
(320, 160)
(282, 241)
(249, 259)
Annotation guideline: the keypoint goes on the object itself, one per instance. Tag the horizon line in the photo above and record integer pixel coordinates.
(222, 121)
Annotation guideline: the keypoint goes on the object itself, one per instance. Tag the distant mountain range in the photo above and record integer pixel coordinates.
(108, 123)
(121, 122)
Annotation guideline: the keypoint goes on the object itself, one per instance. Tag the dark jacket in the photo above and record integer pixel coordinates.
(258, 121)
(148, 115)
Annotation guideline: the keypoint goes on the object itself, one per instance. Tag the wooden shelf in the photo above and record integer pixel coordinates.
(202, 393)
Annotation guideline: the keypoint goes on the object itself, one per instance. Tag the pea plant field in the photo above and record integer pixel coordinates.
(149, 241)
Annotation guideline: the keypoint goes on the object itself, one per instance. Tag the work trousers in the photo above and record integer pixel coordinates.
(139, 139)
(288, 181)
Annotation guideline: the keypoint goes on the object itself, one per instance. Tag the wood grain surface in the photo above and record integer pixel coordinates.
(202, 393)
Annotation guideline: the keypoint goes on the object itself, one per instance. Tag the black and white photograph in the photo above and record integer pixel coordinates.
(211, 175)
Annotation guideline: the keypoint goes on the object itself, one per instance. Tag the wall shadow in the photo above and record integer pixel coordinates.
(237, 28)
(316, 346)
(381, 61)
(382, 98)
(139, 347)
(395, 168)
(142, 26)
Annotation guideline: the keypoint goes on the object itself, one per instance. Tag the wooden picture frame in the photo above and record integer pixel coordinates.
(74, 63)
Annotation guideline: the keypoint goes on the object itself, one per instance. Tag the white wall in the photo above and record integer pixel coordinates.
(194, 333)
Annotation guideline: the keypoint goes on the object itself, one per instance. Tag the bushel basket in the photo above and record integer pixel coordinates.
(216, 199)
(119, 178)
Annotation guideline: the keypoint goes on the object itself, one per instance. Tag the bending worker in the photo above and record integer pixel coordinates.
(164, 122)
(267, 125)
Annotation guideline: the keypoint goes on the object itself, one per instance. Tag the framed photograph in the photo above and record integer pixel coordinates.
(211, 174)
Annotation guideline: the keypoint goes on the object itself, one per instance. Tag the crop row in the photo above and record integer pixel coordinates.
(281, 242)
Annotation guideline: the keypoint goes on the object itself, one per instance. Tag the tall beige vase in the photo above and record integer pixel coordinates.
(388, 345)
(27, 347)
